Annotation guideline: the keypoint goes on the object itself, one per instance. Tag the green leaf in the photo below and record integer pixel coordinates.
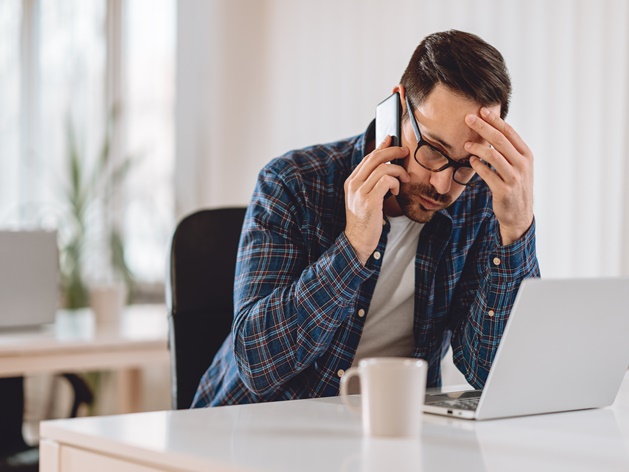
(118, 260)
(88, 196)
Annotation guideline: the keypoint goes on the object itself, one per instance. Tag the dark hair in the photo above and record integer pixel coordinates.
(464, 63)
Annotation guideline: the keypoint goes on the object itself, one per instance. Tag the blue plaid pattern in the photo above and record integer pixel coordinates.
(299, 285)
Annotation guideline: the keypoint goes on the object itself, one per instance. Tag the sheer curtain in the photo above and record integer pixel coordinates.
(10, 96)
(256, 79)
(70, 61)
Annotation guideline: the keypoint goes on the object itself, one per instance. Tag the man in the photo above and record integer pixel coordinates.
(333, 268)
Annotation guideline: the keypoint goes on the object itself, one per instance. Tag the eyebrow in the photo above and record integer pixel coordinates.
(438, 140)
(447, 146)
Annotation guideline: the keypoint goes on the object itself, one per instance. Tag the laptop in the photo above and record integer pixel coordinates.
(565, 347)
(29, 278)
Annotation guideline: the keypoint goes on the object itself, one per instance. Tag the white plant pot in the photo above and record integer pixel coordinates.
(107, 302)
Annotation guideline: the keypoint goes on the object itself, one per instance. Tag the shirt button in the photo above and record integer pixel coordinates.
(340, 372)
(491, 313)
(496, 261)
(376, 255)
(361, 312)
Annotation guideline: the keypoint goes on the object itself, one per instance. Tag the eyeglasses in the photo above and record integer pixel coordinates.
(432, 159)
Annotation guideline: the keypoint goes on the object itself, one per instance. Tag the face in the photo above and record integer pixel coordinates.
(441, 121)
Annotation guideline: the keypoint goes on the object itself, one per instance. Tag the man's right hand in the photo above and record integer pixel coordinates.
(365, 190)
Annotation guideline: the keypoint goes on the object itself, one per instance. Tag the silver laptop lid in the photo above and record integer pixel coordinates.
(564, 348)
(29, 277)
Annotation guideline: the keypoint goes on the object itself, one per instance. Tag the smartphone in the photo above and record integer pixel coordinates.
(389, 123)
(388, 120)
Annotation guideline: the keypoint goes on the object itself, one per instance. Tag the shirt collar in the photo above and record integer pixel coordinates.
(361, 143)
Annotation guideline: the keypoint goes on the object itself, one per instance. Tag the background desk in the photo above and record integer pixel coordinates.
(74, 343)
(320, 435)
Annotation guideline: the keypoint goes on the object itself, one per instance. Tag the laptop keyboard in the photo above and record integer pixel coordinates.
(459, 403)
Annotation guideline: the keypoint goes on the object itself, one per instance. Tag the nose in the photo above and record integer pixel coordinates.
(442, 181)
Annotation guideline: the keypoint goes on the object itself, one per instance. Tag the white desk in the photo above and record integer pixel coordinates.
(75, 343)
(320, 435)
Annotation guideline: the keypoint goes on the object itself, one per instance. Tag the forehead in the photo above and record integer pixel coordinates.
(442, 114)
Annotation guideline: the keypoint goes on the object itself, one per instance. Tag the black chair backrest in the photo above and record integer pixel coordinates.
(11, 415)
(199, 294)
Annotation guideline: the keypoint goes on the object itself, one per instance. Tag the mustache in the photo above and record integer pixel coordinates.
(429, 192)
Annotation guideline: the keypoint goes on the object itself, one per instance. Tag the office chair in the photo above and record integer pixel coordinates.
(199, 294)
(15, 454)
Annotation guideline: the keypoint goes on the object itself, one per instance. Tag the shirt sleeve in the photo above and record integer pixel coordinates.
(485, 298)
(287, 307)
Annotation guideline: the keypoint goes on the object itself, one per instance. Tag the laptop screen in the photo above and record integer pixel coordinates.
(29, 278)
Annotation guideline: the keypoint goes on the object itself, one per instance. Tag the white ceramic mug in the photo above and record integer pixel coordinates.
(392, 395)
(107, 303)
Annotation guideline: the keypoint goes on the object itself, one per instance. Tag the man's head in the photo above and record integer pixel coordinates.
(450, 75)
(463, 63)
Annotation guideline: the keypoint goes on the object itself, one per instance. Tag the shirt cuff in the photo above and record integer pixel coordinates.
(345, 272)
(516, 258)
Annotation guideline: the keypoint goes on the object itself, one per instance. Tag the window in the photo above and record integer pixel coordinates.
(150, 77)
(70, 85)
(10, 118)
(70, 63)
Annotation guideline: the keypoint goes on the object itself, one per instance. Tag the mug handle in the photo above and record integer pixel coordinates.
(349, 373)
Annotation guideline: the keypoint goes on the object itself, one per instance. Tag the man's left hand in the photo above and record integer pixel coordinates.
(511, 179)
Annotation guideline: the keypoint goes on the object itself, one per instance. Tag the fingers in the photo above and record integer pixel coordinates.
(385, 177)
(382, 155)
(499, 134)
(506, 129)
(492, 178)
(386, 143)
(493, 137)
(365, 190)
(505, 162)
(507, 153)
(503, 169)
(376, 175)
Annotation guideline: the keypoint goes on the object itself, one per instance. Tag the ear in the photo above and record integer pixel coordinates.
(400, 88)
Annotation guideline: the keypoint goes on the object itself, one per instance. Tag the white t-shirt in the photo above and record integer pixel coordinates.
(388, 329)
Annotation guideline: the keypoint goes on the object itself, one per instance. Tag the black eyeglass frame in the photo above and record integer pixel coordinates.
(451, 162)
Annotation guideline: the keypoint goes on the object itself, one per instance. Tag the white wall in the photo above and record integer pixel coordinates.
(257, 78)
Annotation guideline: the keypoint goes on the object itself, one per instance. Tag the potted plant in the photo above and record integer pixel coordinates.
(92, 249)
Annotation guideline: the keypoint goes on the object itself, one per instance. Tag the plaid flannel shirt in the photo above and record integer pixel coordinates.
(299, 285)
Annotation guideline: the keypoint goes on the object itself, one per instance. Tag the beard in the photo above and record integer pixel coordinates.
(411, 204)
